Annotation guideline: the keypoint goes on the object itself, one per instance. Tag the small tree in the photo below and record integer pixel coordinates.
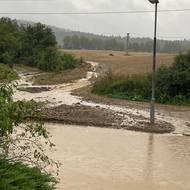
(9, 41)
(36, 39)
(22, 134)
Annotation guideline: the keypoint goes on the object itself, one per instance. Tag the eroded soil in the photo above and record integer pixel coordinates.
(99, 117)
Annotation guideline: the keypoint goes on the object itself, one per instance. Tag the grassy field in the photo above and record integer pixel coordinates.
(119, 63)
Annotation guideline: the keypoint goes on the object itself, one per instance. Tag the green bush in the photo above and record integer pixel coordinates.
(17, 176)
(48, 60)
(7, 74)
(173, 82)
(131, 87)
(68, 61)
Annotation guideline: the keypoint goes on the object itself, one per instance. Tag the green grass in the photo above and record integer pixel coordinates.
(7, 74)
(135, 88)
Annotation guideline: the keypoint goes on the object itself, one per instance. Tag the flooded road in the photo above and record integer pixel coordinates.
(108, 159)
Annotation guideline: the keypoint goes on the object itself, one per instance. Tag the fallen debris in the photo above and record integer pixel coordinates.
(99, 117)
(34, 89)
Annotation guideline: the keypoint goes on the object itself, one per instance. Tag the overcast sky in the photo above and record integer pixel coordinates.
(169, 24)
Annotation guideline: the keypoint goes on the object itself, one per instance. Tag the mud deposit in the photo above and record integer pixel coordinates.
(34, 89)
(83, 115)
(95, 116)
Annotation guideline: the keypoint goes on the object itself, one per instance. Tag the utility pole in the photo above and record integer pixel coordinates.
(127, 43)
(152, 103)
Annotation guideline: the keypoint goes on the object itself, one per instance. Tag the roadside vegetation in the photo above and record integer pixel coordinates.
(23, 138)
(23, 161)
(172, 84)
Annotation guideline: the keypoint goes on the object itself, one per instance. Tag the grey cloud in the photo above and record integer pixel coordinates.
(170, 24)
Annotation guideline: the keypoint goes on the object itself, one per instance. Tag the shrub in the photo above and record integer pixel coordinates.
(68, 61)
(173, 82)
(17, 176)
(130, 87)
(48, 60)
(7, 74)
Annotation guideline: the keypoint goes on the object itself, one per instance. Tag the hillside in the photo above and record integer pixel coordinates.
(84, 40)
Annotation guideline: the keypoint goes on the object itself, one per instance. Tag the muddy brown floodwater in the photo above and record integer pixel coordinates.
(109, 159)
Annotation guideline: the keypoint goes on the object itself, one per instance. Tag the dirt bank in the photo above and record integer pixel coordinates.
(65, 76)
(182, 112)
(34, 89)
(99, 117)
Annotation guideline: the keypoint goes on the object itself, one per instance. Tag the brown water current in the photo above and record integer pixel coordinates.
(102, 159)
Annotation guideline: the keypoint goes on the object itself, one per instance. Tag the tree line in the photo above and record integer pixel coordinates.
(119, 44)
(75, 42)
(33, 45)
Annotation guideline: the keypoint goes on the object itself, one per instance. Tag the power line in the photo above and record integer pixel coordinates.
(24, 0)
(94, 13)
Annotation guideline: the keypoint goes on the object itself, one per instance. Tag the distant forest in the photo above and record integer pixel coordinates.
(119, 44)
(82, 40)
